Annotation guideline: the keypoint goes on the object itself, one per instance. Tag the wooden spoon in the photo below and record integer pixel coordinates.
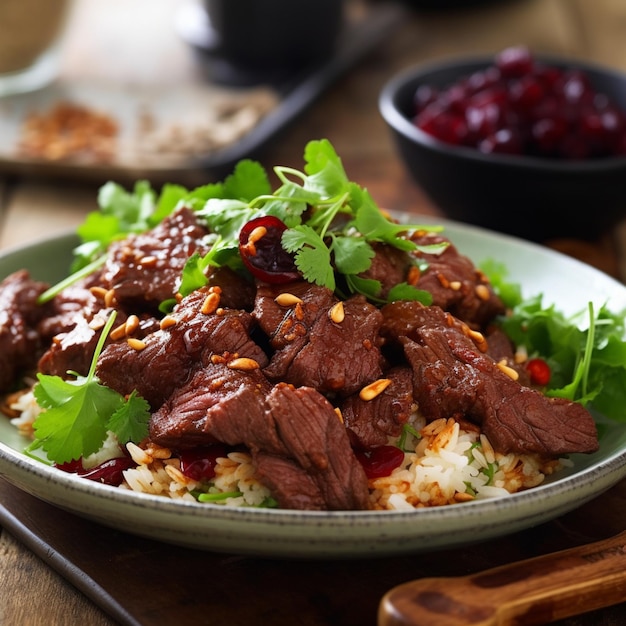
(535, 591)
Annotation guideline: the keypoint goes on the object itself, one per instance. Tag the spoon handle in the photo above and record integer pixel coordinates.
(535, 591)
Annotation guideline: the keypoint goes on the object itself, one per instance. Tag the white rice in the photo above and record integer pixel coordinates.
(445, 465)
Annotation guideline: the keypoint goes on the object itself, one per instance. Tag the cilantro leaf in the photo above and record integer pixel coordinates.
(130, 421)
(404, 291)
(78, 413)
(352, 255)
(312, 256)
(74, 422)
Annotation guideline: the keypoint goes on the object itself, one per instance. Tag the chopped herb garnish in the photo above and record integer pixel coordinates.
(78, 413)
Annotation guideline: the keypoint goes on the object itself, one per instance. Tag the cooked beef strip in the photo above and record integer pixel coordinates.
(238, 292)
(172, 352)
(20, 344)
(145, 269)
(295, 432)
(452, 378)
(500, 348)
(311, 349)
(65, 309)
(287, 325)
(290, 485)
(457, 285)
(370, 423)
(403, 318)
(218, 403)
(315, 437)
(73, 350)
(389, 266)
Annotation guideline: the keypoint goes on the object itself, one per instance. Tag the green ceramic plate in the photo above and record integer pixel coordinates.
(564, 281)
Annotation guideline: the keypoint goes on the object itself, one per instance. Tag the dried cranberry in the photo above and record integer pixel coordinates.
(380, 461)
(503, 141)
(515, 62)
(199, 463)
(109, 472)
(539, 372)
(518, 106)
(262, 252)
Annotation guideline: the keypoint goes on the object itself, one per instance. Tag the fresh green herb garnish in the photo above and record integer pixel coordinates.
(586, 352)
(332, 224)
(217, 497)
(407, 430)
(79, 413)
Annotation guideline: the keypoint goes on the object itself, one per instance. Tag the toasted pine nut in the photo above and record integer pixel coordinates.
(455, 285)
(98, 292)
(118, 332)
(109, 298)
(479, 339)
(167, 322)
(210, 303)
(258, 233)
(96, 323)
(337, 313)
(413, 275)
(287, 299)
(148, 261)
(339, 415)
(136, 344)
(443, 281)
(132, 323)
(482, 291)
(243, 363)
(158, 452)
(521, 354)
(509, 371)
(369, 392)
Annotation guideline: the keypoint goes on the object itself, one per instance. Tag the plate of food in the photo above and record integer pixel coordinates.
(292, 372)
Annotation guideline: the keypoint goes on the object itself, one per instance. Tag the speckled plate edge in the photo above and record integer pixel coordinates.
(565, 281)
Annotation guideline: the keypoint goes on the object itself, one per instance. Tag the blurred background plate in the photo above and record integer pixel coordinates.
(168, 131)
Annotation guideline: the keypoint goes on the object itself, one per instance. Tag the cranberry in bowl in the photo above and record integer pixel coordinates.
(517, 142)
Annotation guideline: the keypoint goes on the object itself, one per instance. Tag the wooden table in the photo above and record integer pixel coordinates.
(115, 40)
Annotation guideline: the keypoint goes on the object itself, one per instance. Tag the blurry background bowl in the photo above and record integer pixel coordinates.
(531, 197)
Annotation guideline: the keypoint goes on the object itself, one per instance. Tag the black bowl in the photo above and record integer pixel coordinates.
(530, 197)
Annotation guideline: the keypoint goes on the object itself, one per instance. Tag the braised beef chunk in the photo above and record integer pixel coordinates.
(289, 483)
(218, 403)
(171, 353)
(294, 430)
(389, 267)
(237, 292)
(73, 350)
(286, 312)
(331, 347)
(145, 269)
(370, 423)
(65, 311)
(315, 437)
(501, 349)
(456, 285)
(20, 344)
(453, 378)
